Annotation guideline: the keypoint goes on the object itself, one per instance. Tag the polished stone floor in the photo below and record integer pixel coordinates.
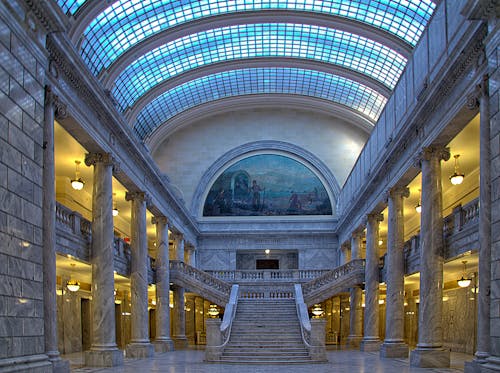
(191, 361)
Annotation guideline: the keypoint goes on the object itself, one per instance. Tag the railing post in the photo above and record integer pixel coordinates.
(77, 218)
(457, 220)
(213, 350)
(318, 334)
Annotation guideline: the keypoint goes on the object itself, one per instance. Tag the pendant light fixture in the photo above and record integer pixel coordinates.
(115, 209)
(77, 183)
(464, 282)
(418, 207)
(457, 176)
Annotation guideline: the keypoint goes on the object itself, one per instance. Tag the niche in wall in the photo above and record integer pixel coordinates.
(276, 259)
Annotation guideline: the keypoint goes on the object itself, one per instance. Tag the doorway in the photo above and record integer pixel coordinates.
(267, 264)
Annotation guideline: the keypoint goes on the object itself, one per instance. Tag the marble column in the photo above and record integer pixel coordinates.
(430, 352)
(163, 342)
(394, 345)
(371, 340)
(190, 255)
(103, 350)
(139, 346)
(179, 315)
(355, 299)
(49, 238)
(345, 254)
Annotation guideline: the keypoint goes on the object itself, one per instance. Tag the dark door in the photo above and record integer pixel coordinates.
(267, 264)
(85, 310)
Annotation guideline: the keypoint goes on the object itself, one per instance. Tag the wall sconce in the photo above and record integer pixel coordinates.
(418, 207)
(457, 176)
(213, 311)
(73, 285)
(77, 183)
(464, 282)
(267, 251)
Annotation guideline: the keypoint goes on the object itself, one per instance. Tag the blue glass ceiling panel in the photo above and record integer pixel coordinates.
(70, 6)
(126, 23)
(258, 81)
(257, 40)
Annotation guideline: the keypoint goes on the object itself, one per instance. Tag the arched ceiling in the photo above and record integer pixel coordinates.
(162, 58)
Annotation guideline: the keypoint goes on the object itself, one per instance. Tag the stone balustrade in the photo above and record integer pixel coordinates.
(292, 275)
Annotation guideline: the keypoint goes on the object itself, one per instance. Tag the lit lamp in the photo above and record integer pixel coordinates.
(418, 207)
(77, 183)
(73, 285)
(464, 282)
(457, 176)
(115, 209)
(213, 311)
(317, 311)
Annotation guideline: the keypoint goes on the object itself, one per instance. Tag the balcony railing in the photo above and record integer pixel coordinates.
(291, 275)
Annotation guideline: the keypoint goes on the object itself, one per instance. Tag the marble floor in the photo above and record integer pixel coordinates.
(340, 361)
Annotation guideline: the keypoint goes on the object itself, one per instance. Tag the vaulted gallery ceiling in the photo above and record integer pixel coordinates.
(161, 59)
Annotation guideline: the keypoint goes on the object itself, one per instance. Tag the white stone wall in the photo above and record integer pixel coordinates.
(22, 74)
(189, 152)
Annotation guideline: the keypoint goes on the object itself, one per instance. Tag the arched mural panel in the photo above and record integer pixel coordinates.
(267, 185)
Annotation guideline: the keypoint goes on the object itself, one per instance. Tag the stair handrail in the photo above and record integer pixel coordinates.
(229, 314)
(305, 323)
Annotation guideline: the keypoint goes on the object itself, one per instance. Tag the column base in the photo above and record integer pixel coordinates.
(180, 342)
(370, 345)
(60, 366)
(164, 345)
(430, 358)
(354, 340)
(103, 358)
(394, 350)
(139, 350)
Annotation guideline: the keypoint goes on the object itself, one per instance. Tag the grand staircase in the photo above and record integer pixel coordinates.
(266, 331)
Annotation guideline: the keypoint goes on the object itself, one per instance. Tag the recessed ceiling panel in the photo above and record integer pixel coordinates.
(351, 94)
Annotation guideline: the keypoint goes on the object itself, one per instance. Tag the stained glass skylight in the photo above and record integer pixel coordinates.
(257, 40)
(127, 22)
(258, 81)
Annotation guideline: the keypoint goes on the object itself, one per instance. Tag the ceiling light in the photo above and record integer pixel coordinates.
(115, 209)
(213, 311)
(267, 251)
(317, 311)
(457, 176)
(464, 282)
(73, 285)
(77, 183)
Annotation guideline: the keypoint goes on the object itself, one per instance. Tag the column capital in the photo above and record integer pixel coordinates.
(139, 196)
(160, 219)
(375, 217)
(357, 234)
(92, 158)
(429, 152)
(177, 236)
(398, 191)
(51, 99)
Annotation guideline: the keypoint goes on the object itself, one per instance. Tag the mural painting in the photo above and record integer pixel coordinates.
(267, 185)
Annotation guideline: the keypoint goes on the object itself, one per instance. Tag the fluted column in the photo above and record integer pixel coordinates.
(163, 342)
(103, 351)
(140, 346)
(371, 339)
(179, 316)
(394, 345)
(355, 299)
(49, 237)
(430, 352)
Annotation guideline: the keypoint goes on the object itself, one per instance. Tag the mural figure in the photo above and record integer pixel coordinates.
(267, 184)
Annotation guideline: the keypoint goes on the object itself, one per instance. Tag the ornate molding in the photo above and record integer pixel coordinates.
(51, 99)
(46, 15)
(138, 196)
(429, 152)
(398, 191)
(375, 217)
(159, 220)
(92, 158)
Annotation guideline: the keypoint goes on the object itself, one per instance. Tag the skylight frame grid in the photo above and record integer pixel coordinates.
(282, 40)
(122, 25)
(70, 6)
(259, 81)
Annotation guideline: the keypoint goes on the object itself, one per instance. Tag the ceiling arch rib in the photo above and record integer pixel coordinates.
(252, 41)
(132, 112)
(261, 101)
(292, 81)
(127, 22)
(111, 71)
